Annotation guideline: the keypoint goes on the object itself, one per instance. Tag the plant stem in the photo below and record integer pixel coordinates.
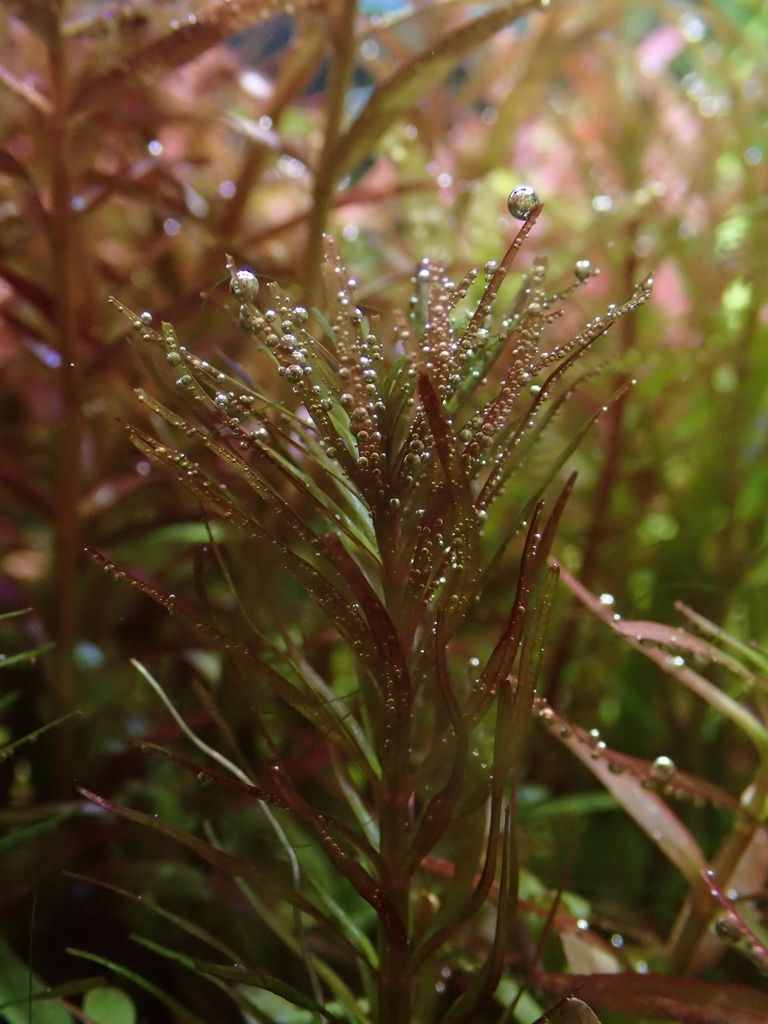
(601, 503)
(339, 76)
(68, 470)
(394, 981)
(692, 925)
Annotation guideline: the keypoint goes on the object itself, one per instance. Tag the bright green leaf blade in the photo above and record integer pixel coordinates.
(109, 1005)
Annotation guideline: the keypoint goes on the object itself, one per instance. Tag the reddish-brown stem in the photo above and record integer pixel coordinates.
(339, 76)
(67, 472)
(614, 427)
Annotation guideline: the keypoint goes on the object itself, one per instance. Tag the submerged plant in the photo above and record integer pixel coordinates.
(725, 900)
(368, 477)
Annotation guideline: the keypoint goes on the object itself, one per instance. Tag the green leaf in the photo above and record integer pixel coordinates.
(22, 656)
(32, 736)
(240, 975)
(18, 985)
(232, 866)
(19, 611)
(31, 832)
(109, 1006)
(173, 1004)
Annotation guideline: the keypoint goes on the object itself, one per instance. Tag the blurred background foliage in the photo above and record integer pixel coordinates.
(130, 163)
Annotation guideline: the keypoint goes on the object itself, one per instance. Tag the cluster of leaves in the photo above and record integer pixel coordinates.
(370, 484)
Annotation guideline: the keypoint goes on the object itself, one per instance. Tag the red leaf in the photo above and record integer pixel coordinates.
(687, 1000)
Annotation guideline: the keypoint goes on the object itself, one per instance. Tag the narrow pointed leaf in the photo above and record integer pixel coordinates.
(173, 1004)
(741, 716)
(213, 25)
(648, 810)
(238, 974)
(230, 865)
(414, 77)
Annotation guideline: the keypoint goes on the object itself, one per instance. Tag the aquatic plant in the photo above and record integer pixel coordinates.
(369, 483)
(367, 475)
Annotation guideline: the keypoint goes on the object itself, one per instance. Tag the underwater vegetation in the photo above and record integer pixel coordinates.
(377, 713)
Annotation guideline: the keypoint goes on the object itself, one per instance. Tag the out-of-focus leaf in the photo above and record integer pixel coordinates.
(276, 1009)
(741, 716)
(415, 77)
(173, 1004)
(22, 656)
(574, 1011)
(688, 1000)
(584, 956)
(107, 1005)
(29, 834)
(216, 23)
(27, 92)
(6, 752)
(240, 974)
(16, 983)
(14, 614)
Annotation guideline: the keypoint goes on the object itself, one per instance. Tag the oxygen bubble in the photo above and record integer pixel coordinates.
(728, 930)
(146, 317)
(244, 285)
(583, 270)
(663, 768)
(521, 201)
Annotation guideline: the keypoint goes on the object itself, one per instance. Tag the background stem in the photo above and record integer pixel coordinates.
(339, 79)
(67, 541)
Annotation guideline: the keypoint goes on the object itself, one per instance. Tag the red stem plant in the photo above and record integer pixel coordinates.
(369, 483)
(368, 479)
